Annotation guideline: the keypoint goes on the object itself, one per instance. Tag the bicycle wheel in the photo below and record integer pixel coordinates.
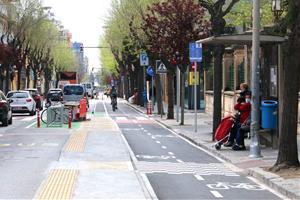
(44, 116)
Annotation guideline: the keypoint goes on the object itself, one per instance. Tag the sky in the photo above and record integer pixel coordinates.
(85, 20)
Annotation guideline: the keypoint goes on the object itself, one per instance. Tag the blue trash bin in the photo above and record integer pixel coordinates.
(269, 114)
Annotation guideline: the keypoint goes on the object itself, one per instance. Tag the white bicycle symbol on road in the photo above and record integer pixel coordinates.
(227, 186)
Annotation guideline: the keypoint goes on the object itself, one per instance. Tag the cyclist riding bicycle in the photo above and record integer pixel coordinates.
(113, 96)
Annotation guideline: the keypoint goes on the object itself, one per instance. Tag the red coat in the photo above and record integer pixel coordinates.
(244, 109)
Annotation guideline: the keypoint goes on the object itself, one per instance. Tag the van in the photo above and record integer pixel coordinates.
(89, 89)
(73, 92)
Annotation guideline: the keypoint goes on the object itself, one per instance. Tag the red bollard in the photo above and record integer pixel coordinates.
(150, 107)
(147, 108)
(70, 119)
(38, 119)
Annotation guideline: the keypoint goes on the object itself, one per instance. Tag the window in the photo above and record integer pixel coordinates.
(73, 90)
(18, 95)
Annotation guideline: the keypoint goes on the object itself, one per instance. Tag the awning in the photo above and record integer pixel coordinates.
(242, 39)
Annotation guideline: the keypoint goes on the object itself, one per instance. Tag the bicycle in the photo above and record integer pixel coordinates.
(114, 103)
(56, 114)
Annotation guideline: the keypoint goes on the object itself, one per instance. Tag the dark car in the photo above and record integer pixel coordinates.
(5, 110)
(54, 95)
(37, 98)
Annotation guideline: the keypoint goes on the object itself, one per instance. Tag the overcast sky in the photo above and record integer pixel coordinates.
(85, 20)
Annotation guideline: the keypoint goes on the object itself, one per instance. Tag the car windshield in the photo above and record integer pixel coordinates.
(54, 91)
(73, 90)
(18, 95)
(88, 86)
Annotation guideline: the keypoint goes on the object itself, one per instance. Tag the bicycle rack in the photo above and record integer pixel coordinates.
(55, 115)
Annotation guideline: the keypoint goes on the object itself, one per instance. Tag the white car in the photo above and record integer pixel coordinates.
(89, 89)
(22, 102)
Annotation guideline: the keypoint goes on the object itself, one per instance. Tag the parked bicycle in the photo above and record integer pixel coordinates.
(55, 115)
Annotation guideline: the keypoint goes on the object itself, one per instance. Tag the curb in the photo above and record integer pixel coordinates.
(270, 179)
(273, 181)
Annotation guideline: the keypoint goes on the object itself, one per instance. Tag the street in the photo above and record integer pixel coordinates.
(168, 166)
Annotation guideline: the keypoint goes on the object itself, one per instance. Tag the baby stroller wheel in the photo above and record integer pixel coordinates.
(218, 146)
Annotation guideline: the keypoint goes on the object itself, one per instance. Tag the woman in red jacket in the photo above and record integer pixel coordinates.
(244, 108)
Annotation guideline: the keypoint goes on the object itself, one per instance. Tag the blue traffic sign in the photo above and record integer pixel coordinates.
(150, 71)
(144, 59)
(195, 52)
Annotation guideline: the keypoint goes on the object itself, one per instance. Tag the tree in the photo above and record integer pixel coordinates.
(288, 100)
(169, 27)
(217, 9)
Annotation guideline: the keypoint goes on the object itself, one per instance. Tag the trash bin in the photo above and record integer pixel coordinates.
(269, 114)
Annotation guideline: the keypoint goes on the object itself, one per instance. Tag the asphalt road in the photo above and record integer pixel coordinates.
(26, 155)
(177, 169)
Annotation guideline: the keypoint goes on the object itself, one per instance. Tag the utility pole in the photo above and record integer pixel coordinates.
(254, 145)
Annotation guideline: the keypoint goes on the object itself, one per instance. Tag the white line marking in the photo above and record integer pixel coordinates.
(121, 118)
(171, 153)
(216, 194)
(199, 178)
(94, 111)
(142, 128)
(4, 145)
(31, 145)
(153, 137)
(1, 135)
(20, 144)
(158, 142)
(141, 118)
(163, 147)
(105, 108)
(30, 125)
(130, 167)
(50, 144)
(149, 134)
(145, 131)
(178, 160)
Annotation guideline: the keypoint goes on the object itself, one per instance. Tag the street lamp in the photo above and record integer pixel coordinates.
(277, 8)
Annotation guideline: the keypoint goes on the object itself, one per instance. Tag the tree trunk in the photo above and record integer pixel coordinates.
(47, 76)
(7, 77)
(182, 97)
(170, 88)
(218, 53)
(160, 109)
(19, 76)
(288, 102)
(126, 86)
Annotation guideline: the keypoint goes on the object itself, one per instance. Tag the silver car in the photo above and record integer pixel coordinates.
(22, 102)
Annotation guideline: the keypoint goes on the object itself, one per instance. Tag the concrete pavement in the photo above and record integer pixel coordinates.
(287, 185)
(94, 164)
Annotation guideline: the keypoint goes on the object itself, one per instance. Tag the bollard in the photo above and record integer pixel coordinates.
(38, 119)
(150, 107)
(147, 108)
(70, 119)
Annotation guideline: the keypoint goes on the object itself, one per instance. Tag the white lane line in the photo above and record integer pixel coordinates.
(178, 160)
(149, 134)
(153, 137)
(216, 194)
(30, 125)
(163, 147)
(145, 131)
(4, 145)
(50, 144)
(142, 128)
(1, 135)
(20, 144)
(105, 108)
(199, 178)
(158, 142)
(31, 145)
(121, 118)
(171, 153)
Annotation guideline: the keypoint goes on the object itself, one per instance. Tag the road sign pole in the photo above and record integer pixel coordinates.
(152, 92)
(195, 94)
(177, 93)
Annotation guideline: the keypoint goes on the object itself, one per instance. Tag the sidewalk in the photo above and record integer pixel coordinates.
(287, 184)
(94, 164)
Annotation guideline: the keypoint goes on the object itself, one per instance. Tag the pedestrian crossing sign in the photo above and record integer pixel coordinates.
(161, 67)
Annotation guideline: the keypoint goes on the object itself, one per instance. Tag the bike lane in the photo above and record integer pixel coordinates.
(177, 169)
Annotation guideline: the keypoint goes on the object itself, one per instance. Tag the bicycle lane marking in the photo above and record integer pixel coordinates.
(30, 125)
(216, 194)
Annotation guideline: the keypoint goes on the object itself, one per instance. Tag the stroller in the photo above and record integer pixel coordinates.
(223, 131)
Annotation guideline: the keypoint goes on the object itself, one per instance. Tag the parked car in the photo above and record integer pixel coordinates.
(22, 102)
(5, 110)
(55, 94)
(89, 89)
(37, 97)
(73, 92)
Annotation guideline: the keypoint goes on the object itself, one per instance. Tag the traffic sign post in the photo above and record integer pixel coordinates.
(195, 56)
(161, 67)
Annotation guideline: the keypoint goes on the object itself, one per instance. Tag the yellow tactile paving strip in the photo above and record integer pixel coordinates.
(60, 184)
(76, 142)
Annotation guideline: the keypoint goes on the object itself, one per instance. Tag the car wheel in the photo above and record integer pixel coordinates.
(32, 113)
(5, 122)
